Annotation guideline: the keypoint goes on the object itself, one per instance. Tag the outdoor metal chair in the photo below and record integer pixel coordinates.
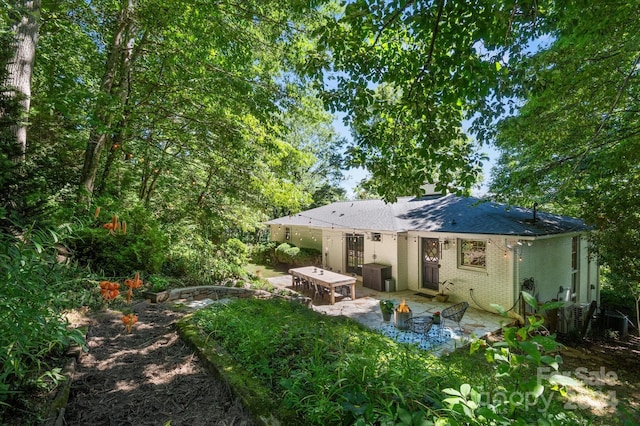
(420, 325)
(454, 313)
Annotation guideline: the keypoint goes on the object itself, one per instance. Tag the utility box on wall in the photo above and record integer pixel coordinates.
(374, 275)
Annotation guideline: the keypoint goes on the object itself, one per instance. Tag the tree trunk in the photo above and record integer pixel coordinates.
(20, 67)
(115, 147)
(114, 86)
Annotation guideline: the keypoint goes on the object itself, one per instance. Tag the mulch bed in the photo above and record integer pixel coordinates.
(147, 377)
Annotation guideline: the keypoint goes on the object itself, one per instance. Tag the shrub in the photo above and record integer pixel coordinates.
(292, 255)
(523, 395)
(263, 253)
(31, 301)
(142, 248)
(235, 252)
(285, 253)
(157, 283)
(200, 261)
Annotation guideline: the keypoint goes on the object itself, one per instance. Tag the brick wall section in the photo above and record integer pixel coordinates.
(493, 285)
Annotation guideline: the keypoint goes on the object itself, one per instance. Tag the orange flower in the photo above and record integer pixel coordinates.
(97, 213)
(136, 282)
(129, 320)
(109, 290)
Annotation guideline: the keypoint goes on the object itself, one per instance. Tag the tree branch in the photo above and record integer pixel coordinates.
(390, 20)
(432, 44)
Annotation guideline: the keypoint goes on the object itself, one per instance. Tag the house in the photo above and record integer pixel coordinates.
(489, 251)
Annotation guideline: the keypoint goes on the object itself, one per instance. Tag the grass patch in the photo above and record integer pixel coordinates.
(322, 370)
(266, 271)
(303, 367)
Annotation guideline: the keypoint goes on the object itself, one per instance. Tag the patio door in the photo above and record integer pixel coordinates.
(355, 253)
(430, 263)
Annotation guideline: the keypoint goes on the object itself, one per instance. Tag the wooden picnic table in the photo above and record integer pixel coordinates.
(325, 278)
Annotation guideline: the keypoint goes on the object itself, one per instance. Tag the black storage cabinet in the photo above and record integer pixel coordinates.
(374, 275)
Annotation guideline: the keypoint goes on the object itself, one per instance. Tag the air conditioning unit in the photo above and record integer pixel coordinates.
(580, 315)
(566, 318)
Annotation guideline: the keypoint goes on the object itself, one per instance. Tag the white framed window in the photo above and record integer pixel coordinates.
(473, 254)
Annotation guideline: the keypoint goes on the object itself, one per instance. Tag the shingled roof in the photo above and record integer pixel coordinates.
(448, 213)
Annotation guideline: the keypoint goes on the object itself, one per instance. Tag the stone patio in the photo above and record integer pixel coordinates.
(366, 310)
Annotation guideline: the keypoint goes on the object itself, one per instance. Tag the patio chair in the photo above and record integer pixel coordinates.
(454, 313)
(420, 325)
(319, 290)
(297, 282)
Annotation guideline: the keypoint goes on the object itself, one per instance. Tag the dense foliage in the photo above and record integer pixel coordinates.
(292, 255)
(35, 290)
(574, 145)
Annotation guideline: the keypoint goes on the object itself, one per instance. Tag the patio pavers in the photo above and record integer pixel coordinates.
(366, 310)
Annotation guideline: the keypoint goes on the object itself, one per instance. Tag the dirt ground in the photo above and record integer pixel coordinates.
(151, 377)
(612, 368)
(147, 377)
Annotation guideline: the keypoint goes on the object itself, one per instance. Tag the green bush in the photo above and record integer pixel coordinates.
(523, 395)
(235, 252)
(115, 254)
(295, 256)
(199, 261)
(157, 283)
(286, 253)
(615, 293)
(32, 295)
(263, 253)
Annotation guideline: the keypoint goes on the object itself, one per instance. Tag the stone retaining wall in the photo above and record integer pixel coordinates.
(216, 292)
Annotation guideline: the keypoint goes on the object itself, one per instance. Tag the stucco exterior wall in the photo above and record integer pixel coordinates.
(548, 262)
(593, 278)
(299, 236)
(401, 273)
(414, 273)
(334, 250)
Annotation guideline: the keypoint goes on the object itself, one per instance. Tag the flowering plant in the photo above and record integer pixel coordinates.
(437, 313)
(129, 320)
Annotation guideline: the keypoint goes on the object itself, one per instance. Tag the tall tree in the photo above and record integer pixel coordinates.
(575, 143)
(408, 73)
(26, 16)
(114, 90)
(10, 107)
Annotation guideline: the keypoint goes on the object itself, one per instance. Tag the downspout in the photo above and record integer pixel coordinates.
(516, 276)
(589, 289)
